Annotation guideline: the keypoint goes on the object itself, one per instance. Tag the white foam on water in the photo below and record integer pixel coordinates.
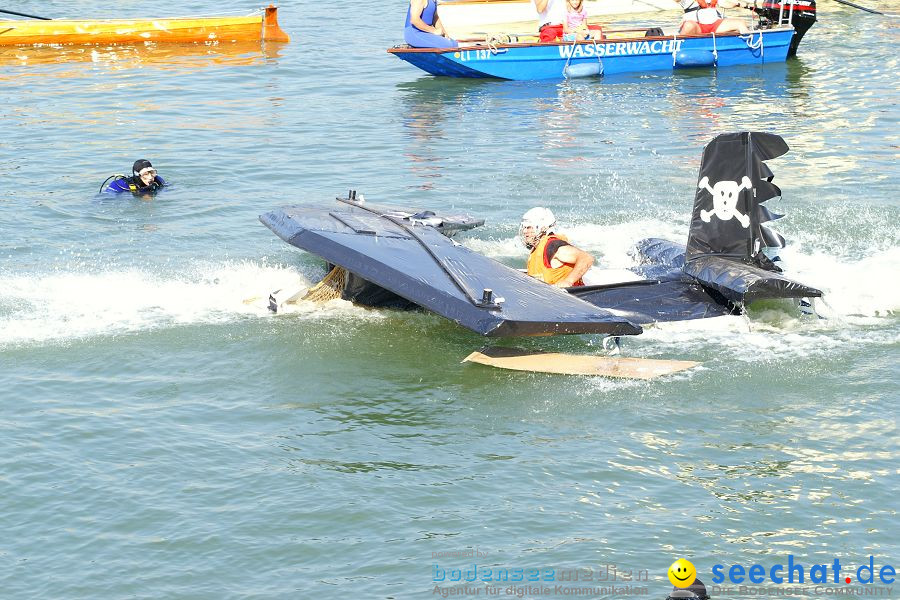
(860, 308)
(37, 308)
(612, 244)
(867, 287)
(860, 305)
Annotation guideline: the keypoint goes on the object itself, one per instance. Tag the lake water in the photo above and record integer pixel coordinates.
(161, 438)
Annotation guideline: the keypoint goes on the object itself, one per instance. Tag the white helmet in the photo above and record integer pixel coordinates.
(536, 223)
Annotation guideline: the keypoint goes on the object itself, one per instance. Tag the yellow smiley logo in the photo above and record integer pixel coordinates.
(682, 573)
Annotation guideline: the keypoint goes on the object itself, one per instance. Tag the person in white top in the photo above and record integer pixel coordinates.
(703, 16)
(551, 16)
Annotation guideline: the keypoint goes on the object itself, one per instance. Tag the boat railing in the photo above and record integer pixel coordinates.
(609, 35)
(781, 18)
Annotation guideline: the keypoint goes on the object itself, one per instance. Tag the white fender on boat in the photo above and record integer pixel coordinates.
(584, 69)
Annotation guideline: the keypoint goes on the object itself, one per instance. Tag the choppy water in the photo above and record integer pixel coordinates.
(160, 437)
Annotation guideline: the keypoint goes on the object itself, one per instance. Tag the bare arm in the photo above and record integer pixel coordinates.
(581, 261)
(440, 27)
(541, 5)
(416, 7)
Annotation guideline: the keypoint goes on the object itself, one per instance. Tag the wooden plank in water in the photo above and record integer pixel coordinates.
(518, 359)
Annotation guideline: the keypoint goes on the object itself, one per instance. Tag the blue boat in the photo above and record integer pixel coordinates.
(530, 61)
(779, 27)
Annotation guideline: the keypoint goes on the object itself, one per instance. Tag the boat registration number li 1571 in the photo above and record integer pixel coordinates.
(478, 54)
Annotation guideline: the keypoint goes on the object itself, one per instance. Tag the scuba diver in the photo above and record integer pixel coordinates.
(143, 180)
(553, 259)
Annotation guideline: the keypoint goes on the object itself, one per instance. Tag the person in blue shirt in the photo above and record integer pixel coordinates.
(143, 180)
(423, 28)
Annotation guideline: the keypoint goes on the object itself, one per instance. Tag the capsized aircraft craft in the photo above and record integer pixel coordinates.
(402, 259)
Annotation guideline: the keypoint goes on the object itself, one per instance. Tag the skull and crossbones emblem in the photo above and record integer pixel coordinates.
(725, 196)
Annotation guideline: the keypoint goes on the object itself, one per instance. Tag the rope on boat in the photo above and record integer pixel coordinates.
(597, 54)
(715, 52)
(330, 288)
(674, 49)
(569, 59)
(758, 45)
(497, 38)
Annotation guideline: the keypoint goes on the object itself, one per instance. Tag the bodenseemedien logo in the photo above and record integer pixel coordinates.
(682, 573)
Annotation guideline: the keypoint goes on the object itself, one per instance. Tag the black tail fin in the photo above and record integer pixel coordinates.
(728, 211)
(727, 236)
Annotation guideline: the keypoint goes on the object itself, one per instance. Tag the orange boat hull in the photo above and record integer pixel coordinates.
(129, 31)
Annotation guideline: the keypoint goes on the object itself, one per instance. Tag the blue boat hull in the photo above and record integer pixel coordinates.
(559, 60)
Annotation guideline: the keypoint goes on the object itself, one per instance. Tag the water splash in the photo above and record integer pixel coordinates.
(39, 308)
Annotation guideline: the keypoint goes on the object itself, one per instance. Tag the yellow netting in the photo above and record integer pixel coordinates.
(331, 287)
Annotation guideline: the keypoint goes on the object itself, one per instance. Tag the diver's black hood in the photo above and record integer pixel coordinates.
(140, 165)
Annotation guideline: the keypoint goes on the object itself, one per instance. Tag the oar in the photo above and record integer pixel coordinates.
(868, 10)
(18, 14)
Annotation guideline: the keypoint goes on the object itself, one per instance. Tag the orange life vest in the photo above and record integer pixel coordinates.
(539, 265)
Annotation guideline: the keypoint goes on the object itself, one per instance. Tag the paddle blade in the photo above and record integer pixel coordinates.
(517, 359)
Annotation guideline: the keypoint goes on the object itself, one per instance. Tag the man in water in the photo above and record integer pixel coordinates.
(143, 180)
(553, 259)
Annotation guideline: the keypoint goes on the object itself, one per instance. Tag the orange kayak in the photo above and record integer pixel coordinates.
(261, 26)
